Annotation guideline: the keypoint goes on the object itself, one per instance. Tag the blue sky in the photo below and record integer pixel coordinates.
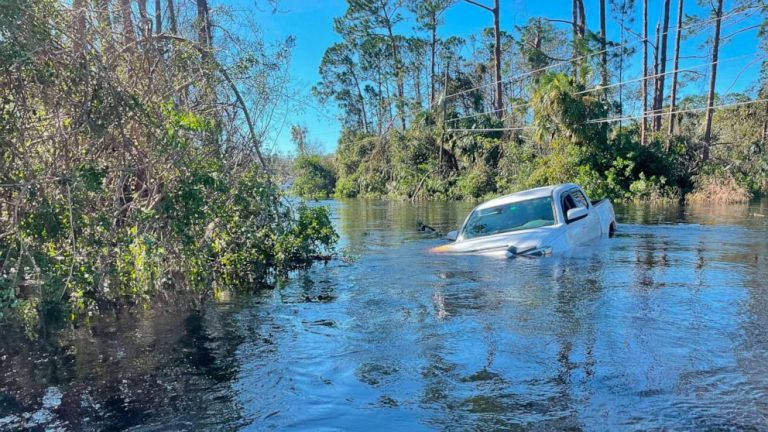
(311, 23)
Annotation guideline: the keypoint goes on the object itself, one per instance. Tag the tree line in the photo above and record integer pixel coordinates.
(511, 107)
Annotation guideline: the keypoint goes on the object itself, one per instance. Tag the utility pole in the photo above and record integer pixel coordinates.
(445, 126)
(499, 108)
(604, 51)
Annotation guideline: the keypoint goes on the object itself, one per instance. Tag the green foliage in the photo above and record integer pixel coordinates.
(556, 126)
(476, 182)
(16, 40)
(124, 177)
(538, 38)
(308, 236)
(564, 146)
(562, 110)
(347, 187)
(363, 165)
(214, 227)
(315, 178)
(138, 261)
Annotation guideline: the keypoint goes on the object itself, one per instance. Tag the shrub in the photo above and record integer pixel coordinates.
(306, 237)
(315, 178)
(718, 189)
(214, 227)
(346, 187)
(476, 182)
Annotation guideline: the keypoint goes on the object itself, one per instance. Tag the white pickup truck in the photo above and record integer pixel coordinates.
(535, 222)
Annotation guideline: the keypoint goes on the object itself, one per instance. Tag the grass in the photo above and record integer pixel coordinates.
(718, 190)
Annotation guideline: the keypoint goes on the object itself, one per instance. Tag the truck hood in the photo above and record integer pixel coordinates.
(500, 243)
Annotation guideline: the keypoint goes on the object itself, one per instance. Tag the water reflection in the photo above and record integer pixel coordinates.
(151, 369)
(663, 327)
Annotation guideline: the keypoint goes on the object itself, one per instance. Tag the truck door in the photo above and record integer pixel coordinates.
(585, 229)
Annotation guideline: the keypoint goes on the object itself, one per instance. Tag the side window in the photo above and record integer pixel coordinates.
(579, 198)
(568, 203)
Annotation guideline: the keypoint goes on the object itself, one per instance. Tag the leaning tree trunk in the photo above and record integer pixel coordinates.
(204, 34)
(208, 67)
(579, 32)
(360, 98)
(655, 69)
(400, 103)
(105, 35)
(658, 94)
(125, 16)
(675, 62)
(621, 73)
(158, 17)
(417, 84)
(712, 81)
(400, 86)
(172, 17)
(144, 23)
(204, 38)
(582, 20)
(78, 42)
(537, 46)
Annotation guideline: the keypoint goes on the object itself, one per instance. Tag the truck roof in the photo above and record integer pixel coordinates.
(539, 192)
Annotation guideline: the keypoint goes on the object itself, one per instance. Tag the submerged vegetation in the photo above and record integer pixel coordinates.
(130, 158)
(428, 118)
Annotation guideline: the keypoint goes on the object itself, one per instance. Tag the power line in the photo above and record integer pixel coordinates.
(686, 69)
(493, 129)
(477, 114)
(564, 62)
(619, 84)
(650, 114)
(662, 112)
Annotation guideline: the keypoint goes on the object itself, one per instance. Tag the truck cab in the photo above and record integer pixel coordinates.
(537, 221)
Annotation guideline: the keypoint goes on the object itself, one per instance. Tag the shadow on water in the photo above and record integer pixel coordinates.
(146, 369)
(663, 327)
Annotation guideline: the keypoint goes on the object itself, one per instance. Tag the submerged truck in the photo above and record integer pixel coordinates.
(534, 222)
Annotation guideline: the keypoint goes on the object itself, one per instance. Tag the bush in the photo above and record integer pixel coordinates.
(315, 178)
(476, 182)
(118, 184)
(515, 167)
(307, 237)
(346, 187)
(718, 189)
(213, 228)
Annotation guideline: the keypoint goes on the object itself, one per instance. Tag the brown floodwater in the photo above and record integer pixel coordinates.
(663, 327)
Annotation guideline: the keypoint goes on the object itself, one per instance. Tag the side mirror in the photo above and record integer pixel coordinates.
(577, 213)
(451, 236)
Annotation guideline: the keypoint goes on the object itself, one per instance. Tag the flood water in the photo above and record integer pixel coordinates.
(664, 326)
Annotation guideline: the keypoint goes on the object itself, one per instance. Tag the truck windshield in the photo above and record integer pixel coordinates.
(510, 217)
